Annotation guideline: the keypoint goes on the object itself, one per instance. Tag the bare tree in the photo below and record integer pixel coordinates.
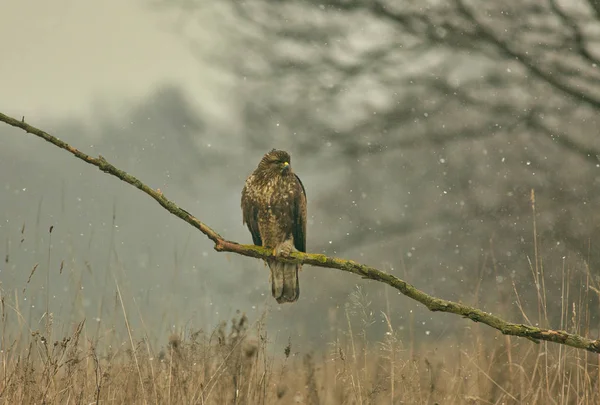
(434, 120)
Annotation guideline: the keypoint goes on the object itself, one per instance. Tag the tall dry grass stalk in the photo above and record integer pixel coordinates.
(236, 364)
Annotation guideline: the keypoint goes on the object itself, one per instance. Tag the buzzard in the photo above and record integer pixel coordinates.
(274, 209)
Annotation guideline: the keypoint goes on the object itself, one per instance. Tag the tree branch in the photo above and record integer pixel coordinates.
(509, 50)
(319, 260)
(589, 154)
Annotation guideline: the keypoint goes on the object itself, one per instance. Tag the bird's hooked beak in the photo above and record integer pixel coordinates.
(286, 167)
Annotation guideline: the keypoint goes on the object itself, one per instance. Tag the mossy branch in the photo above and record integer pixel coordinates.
(319, 260)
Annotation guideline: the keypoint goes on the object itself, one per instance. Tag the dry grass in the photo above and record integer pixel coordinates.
(235, 364)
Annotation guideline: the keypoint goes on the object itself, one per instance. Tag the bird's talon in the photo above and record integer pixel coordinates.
(284, 249)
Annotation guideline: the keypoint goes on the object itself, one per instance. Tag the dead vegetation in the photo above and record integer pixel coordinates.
(234, 364)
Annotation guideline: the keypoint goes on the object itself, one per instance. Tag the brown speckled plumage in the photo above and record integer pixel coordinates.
(274, 209)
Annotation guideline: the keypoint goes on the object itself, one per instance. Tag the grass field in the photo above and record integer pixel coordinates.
(86, 362)
(234, 364)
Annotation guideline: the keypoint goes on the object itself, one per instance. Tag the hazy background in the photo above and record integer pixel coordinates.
(418, 131)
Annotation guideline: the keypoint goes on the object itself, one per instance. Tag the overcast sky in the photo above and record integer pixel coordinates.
(61, 60)
(58, 56)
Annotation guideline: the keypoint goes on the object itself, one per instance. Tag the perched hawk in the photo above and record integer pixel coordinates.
(274, 209)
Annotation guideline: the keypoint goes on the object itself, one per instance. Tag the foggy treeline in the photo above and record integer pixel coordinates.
(419, 130)
(429, 124)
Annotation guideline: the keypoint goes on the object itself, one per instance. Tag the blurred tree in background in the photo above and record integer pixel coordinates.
(419, 132)
(432, 121)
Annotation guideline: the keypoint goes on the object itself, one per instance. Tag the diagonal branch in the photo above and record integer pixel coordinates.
(589, 154)
(319, 260)
(488, 34)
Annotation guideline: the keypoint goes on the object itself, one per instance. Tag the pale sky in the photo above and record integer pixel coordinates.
(58, 56)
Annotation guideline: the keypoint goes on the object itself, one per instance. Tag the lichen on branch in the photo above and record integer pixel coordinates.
(318, 260)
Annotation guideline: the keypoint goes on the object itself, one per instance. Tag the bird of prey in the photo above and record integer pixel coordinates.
(274, 209)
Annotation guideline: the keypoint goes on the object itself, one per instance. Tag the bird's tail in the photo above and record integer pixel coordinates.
(285, 285)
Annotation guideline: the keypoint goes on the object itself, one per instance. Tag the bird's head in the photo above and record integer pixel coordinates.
(276, 162)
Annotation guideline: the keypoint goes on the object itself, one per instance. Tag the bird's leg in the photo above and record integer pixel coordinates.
(284, 249)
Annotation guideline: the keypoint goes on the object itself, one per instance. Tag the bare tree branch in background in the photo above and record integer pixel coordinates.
(444, 114)
(433, 121)
(318, 260)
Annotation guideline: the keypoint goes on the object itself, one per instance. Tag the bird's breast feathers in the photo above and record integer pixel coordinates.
(270, 193)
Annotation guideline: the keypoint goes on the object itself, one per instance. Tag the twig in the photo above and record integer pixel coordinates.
(319, 260)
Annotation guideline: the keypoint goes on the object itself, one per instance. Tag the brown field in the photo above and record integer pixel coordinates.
(234, 364)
